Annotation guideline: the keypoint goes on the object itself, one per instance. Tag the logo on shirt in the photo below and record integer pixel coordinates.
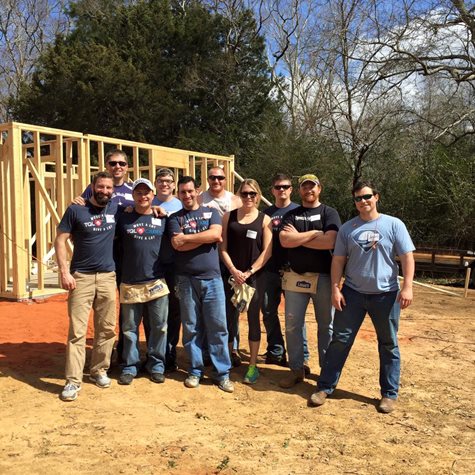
(193, 225)
(368, 239)
(97, 223)
(144, 231)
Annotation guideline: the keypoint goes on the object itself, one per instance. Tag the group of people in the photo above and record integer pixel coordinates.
(201, 259)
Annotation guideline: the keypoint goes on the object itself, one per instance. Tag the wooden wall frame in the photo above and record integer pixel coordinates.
(41, 170)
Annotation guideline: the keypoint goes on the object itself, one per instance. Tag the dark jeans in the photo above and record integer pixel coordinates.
(270, 314)
(384, 313)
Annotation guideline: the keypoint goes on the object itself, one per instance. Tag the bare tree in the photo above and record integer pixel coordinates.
(439, 40)
(26, 27)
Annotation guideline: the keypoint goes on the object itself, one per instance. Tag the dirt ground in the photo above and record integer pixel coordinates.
(149, 428)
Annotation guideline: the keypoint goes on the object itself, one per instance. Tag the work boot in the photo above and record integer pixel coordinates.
(386, 405)
(318, 398)
(295, 376)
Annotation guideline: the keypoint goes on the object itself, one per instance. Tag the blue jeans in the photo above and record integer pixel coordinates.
(157, 314)
(295, 306)
(270, 316)
(203, 314)
(384, 312)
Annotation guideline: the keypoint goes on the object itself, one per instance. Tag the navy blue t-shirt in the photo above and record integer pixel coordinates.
(322, 218)
(92, 230)
(202, 262)
(279, 254)
(122, 194)
(140, 237)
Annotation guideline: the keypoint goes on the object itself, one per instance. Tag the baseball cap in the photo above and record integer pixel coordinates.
(164, 172)
(142, 181)
(309, 177)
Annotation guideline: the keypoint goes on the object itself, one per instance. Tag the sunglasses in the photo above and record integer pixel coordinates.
(248, 194)
(217, 177)
(282, 187)
(358, 199)
(113, 163)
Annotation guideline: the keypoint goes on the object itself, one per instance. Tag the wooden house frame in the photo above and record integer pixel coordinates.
(41, 170)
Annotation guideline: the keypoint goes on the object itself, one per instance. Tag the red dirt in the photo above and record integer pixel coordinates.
(149, 428)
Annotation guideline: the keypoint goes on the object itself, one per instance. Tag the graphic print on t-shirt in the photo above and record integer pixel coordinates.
(367, 239)
(194, 225)
(97, 222)
(146, 231)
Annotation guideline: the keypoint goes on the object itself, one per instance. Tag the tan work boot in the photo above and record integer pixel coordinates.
(295, 376)
(318, 398)
(386, 405)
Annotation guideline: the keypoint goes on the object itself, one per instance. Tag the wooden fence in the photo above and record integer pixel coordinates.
(42, 170)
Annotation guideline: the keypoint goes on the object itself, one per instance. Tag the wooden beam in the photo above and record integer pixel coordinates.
(467, 281)
(19, 255)
(40, 212)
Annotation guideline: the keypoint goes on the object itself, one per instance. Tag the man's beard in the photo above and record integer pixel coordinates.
(101, 198)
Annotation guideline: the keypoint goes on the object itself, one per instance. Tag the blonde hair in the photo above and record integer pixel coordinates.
(255, 187)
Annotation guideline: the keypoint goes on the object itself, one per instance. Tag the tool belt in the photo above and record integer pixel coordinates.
(304, 283)
(144, 292)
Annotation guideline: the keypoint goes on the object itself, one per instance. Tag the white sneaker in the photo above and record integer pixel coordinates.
(70, 392)
(192, 381)
(102, 380)
(226, 385)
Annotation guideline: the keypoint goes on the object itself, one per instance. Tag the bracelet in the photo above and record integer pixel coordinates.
(251, 270)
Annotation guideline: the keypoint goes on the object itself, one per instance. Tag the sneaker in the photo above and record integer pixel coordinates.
(101, 380)
(251, 375)
(192, 381)
(318, 398)
(226, 385)
(70, 392)
(126, 378)
(295, 376)
(386, 405)
(157, 378)
(277, 360)
(235, 359)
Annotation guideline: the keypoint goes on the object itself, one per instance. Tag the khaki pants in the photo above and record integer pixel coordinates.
(99, 292)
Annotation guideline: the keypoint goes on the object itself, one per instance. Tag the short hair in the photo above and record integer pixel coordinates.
(217, 167)
(164, 172)
(100, 175)
(186, 179)
(281, 177)
(360, 184)
(113, 153)
(254, 185)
